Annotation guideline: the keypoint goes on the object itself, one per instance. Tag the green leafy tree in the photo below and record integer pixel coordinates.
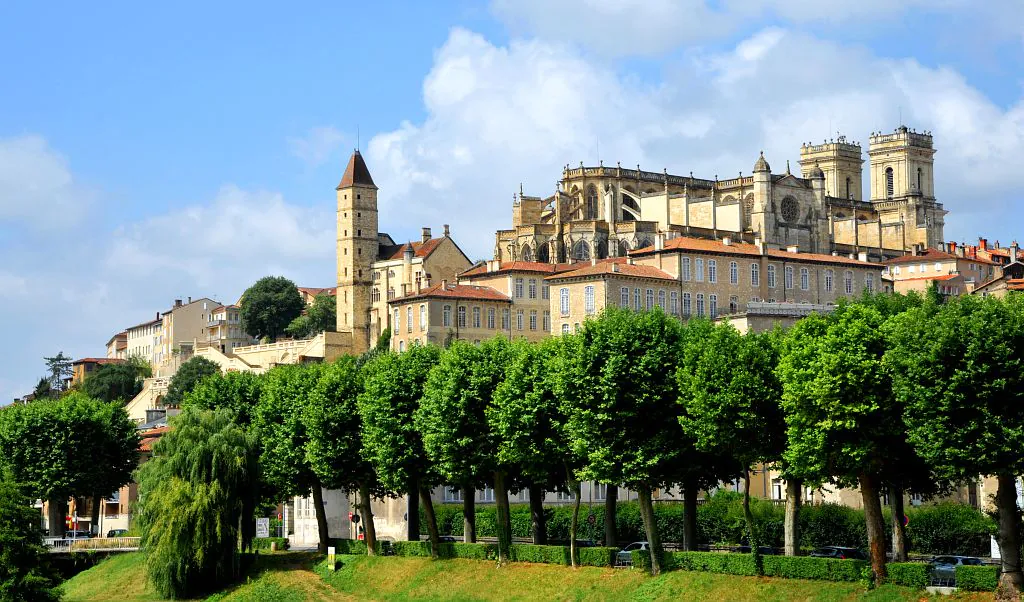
(392, 389)
(335, 445)
(618, 386)
(452, 419)
(321, 316)
(24, 575)
(42, 390)
(526, 418)
(110, 382)
(60, 369)
(193, 500)
(960, 372)
(283, 436)
(74, 446)
(237, 391)
(189, 374)
(842, 417)
(269, 306)
(731, 397)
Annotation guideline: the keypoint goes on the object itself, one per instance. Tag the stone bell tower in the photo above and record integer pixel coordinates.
(357, 250)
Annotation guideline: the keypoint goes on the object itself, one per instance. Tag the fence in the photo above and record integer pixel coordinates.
(95, 544)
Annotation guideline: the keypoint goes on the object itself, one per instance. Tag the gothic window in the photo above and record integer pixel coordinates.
(790, 209)
(590, 206)
(623, 248)
(888, 183)
(644, 242)
(748, 203)
(602, 249)
(542, 253)
(581, 250)
(527, 254)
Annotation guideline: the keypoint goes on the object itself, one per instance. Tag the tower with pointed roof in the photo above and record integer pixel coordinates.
(357, 250)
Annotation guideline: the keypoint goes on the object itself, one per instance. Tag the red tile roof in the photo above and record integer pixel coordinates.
(98, 360)
(942, 277)
(518, 266)
(704, 245)
(614, 269)
(356, 174)
(151, 436)
(456, 291)
(419, 249)
(1015, 284)
(313, 291)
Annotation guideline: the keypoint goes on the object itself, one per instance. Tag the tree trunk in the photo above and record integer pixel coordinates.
(690, 515)
(794, 498)
(369, 529)
(321, 518)
(1011, 581)
(748, 517)
(94, 523)
(413, 510)
(875, 525)
(540, 528)
(504, 520)
(469, 515)
(428, 510)
(899, 534)
(650, 527)
(611, 531)
(56, 512)
(573, 526)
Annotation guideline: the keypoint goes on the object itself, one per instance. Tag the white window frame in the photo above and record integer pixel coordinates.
(624, 297)
(673, 303)
(589, 304)
(686, 269)
(699, 268)
(771, 276)
(713, 271)
(563, 297)
(531, 288)
(805, 279)
(734, 272)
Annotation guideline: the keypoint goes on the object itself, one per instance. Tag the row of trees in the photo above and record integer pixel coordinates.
(890, 393)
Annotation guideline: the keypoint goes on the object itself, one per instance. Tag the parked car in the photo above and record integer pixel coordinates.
(764, 550)
(839, 552)
(446, 539)
(77, 534)
(117, 533)
(944, 567)
(626, 553)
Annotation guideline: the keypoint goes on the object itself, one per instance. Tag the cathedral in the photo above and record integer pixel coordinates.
(602, 211)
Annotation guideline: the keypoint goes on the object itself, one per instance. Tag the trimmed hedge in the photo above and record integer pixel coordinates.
(790, 567)
(353, 547)
(411, 548)
(977, 578)
(263, 543)
(910, 574)
(934, 529)
(560, 555)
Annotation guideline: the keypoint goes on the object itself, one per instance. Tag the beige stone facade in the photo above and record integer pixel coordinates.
(599, 212)
(955, 270)
(447, 312)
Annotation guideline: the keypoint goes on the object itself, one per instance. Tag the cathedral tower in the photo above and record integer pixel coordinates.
(903, 185)
(841, 163)
(357, 250)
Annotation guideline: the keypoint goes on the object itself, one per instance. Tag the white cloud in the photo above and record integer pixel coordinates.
(317, 146)
(501, 115)
(36, 186)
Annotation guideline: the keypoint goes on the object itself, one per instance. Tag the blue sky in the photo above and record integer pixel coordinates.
(150, 152)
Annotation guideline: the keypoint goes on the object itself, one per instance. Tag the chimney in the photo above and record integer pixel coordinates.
(862, 256)
(659, 242)
(419, 284)
(446, 232)
(960, 250)
(177, 303)
(1014, 249)
(629, 260)
(190, 299)
(793, 249)
(593, 260)
(726, 241)
(952, 248)
(444, 285)
(425, 236)
(493, 265)
(983, 244)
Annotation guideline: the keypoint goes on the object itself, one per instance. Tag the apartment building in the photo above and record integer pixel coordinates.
(525, 283)
(956, 270)
(224, 329)
(117, 346)
(446, 312)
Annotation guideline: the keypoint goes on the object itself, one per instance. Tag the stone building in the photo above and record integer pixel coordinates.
(599, 212)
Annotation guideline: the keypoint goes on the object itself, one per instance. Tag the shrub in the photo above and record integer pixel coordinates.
(949, 529)
(352, 547)
(712, 562)
(411, 548)
(598, 556)
(263, 543)
(832, 525)
(910, 574)
(977, 578)
(821, 569)
(471, 551)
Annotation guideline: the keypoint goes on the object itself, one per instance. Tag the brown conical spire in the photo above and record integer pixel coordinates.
(356, 174)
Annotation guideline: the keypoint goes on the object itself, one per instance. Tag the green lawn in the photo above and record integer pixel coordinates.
(297, 577)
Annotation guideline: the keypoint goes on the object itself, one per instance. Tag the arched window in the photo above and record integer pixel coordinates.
(829, 278)
(527, 254)
(581, 250)
(623, 248)
(542, 253)
(755, 274)
(888, 182)
(849, 194)
(590, 205)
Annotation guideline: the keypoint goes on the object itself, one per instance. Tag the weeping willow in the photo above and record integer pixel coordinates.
(196, 503)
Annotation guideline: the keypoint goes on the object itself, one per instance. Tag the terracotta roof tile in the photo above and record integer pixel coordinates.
(456, 291)
(313, 291)
(685, 243)
(614, 269)
(419, 249)
(942, 277)
(99, 360)
(518, 266)
(356, 173)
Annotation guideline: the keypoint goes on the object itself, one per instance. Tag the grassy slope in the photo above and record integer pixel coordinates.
(296, 577)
